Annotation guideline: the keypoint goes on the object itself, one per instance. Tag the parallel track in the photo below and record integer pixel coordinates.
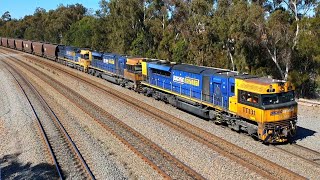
(250, 160)
(160, 160)
(41, 129)
(309, 102)
(308, 155)
(71, 145)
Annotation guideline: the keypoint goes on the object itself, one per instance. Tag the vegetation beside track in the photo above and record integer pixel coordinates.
(277, 38)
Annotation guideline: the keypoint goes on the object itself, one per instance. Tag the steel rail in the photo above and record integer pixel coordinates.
(87, 103)
(43, 133)
(73, 146)
(308, 155)
(244, 157)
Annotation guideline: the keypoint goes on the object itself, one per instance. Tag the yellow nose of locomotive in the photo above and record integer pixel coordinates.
(270, 104)
(280, 113)
(279, 124)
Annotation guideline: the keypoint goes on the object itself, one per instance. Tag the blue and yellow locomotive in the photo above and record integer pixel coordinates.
(262, 107)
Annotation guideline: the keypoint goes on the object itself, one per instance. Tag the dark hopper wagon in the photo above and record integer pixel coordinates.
(19, 44)
(37, 48)
(11, 43)
(4, 42)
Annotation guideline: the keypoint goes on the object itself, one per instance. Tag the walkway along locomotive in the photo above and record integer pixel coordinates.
(263, 107)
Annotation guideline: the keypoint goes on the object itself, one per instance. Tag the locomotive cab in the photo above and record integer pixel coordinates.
(270, 104)
(280, 116)
(85, 59)
(133, 72)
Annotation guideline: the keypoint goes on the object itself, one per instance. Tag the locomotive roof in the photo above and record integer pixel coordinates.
(96, 53)
(246, 76)
(264, 80)
(160, 66)
(211, 70)
(189, 68)
(204, 70)
(110, 54)
(229, 73)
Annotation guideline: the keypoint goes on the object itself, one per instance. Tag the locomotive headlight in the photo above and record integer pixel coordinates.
(285, 132)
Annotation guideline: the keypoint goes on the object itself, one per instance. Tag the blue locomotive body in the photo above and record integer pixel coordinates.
(190, 87)
(110, 67)
(69, 53)
(262, 107)
(110, 63)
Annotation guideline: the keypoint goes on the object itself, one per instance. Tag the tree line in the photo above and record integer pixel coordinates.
(278, 38)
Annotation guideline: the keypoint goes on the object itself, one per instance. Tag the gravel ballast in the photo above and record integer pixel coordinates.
(309, 127)
(21, 151)
(108, 158)
(293, 163)
(205, 161)
(195, 155)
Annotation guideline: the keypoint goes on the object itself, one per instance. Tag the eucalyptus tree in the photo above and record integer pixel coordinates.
(35, 25)
(59, 21)
(6, 16)
(124, 21)
(305, 71)
(289, 31)
(81, 33)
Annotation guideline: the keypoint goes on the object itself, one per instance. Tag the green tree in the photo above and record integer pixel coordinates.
(264, 37)
(6, 16)
(59, 21)
(306, 64)
(297, 9)
(125, 21)
(81, 33)
(35, 25)
(155, 28)
(277, 39)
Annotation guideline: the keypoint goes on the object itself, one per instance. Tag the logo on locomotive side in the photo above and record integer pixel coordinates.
(186, 80)
(108, 61)
(178, 79)
(276, 112)
(192, 81)
(282, 111)
(70, 53)
(111, 61)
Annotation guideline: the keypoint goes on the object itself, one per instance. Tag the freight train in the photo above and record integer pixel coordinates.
(262, 107)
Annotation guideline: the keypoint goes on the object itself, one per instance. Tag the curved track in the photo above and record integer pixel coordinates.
(309, 102)
(41, 129)
(84, 170)
(250, 160)
(306, 154)
(160, 160)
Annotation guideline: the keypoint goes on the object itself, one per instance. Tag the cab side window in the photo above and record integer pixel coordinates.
(248, 98)
(243, 96)
(84, 56)
(96, 58)
(130, 68)
(255, 99)
(160, 72)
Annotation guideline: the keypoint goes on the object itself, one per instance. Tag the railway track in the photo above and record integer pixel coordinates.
(50, 139)
(306, 154)
(160, 160)
(250, 160)
(307, 102)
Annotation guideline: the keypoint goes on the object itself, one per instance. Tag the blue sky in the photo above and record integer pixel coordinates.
(19, 8)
